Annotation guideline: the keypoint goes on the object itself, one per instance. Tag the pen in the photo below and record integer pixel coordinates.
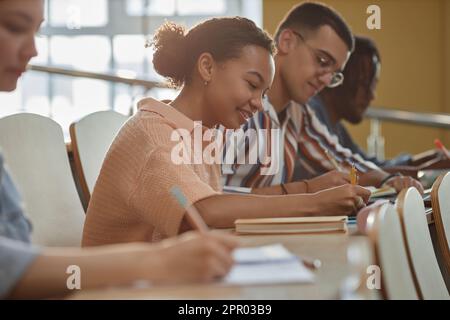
(193, 216)
(311, 263)
(441, 146)
(333, 161)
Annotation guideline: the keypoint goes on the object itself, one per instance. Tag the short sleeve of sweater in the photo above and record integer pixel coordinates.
(152, 199)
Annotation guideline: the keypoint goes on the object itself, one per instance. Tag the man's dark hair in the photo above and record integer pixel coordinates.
(310, 16)
(363, 64)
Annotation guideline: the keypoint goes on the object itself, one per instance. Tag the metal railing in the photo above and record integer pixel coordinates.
(375, 114)
(98, 76)
(417, 118)
(435, 120)
(375, 141)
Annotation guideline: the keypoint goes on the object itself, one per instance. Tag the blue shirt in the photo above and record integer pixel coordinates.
(16, 253)
(346, 140)
(13, 223)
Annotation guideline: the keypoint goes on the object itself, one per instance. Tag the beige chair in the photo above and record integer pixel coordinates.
(419, 247)
(91, 137)
(360, 259)
(385, 233)
(36, 157)
(440, 201)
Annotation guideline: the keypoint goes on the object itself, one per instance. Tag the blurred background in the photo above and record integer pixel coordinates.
(414, 43)
(107, 40)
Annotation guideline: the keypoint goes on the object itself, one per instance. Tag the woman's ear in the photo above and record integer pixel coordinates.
(205, 64)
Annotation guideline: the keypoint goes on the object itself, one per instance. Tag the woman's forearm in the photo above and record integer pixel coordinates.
(271, 190)
(222, 210)
(292, 188)
(110, 265)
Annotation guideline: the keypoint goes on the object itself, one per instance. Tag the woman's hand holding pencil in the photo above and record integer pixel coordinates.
(194, 257)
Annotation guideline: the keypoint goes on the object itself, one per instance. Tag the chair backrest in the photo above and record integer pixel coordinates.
(35, 155)
(419, 247)
(385, 232)
(359, 284)
(440, 201)
(91, 138)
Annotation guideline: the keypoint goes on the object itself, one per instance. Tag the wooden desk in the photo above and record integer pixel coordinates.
(331, 249)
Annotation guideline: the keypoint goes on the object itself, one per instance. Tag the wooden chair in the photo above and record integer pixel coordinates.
(36, 157)
(419, 247)
(91, 138)
(440, 202)
(385, 233)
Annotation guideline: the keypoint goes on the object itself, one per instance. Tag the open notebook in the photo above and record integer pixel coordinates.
(291, 225)
(266, 265)
(382, 192)
(262, 265)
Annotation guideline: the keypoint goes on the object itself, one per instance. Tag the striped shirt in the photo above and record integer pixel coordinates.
(300, 140)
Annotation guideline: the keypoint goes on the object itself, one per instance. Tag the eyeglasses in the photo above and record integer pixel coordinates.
(325, 63)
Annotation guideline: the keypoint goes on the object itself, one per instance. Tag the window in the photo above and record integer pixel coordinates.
(89, 53)
(151, 7)
(76, 14)
(105, 37)
(201, 7)
(176, 7)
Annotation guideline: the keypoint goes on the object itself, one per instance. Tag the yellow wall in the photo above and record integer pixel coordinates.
(414, 40)
(447, 63)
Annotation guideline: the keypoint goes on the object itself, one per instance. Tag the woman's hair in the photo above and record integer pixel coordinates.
(177, 52)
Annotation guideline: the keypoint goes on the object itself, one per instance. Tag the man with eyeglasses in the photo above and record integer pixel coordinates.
(313, 45)
(350, 101)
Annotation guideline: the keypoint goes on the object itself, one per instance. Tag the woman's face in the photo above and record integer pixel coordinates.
(19, 21)
(237, 86)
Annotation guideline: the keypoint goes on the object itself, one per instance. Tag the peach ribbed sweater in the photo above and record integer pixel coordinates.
(131, 200)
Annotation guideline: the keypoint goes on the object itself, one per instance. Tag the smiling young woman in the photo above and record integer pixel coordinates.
(224, 66)
(31, 272)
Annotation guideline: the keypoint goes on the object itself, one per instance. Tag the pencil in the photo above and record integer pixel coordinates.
(333, 161)
(192, 214)
(353, 175)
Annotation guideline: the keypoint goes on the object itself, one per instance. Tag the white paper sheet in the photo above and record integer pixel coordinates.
(267, 265)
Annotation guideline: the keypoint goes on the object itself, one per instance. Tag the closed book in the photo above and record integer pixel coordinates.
(291, 225)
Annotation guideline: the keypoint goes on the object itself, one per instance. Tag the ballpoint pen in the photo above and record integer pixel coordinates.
(311, 263)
